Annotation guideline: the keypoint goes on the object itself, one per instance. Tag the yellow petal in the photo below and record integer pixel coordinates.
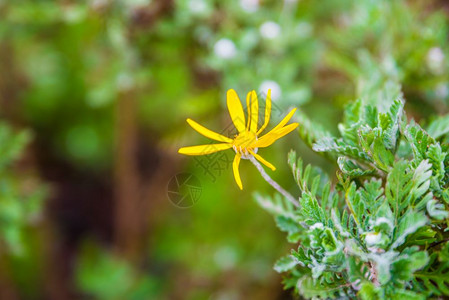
(235, 168)
(248, 108)
(204, 149)
(236, 110)
(267, 112)
(208, 133)
(280, 125)
(284, 120)
(254, 112)
(273, 136)
(262, 160)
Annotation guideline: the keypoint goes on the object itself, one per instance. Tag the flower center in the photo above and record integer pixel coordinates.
(244, 142)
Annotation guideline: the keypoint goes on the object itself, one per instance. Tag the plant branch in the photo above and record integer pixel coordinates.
(273, 183)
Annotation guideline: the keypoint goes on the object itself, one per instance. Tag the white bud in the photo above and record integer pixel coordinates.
(270, 30)
(435, 60)
(197, 6)
(249, 6)
(442, 90)
(276, 91)
(225, 48)
(372, 238)
(318, 225)
(125, 82)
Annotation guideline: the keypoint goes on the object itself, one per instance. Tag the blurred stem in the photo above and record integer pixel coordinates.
(126, 178)
(12, 81)
(273, 183)
(129, 214)
(7, 287)
(56, 284)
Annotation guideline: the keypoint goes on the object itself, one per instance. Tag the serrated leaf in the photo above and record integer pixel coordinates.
(371, 116)
(309, 131)
(419, 140)
(11, 144)
(383, 157)
(391, 133)
(339, 147)
(436, 210)
(287, 224)
(368, 291)
(398, 186)
(399, 294)
(310, 288)
(275, 205)
(355, 205)
(311, 210)
(443, 256)
(434, 278)
(372, 193)
(408, 224)
(436, 157)
(410, 260)
(351, 168)
(285, 264)
(439, 127)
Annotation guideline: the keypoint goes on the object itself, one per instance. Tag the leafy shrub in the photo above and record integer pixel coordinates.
(381, 230)
(20, 198)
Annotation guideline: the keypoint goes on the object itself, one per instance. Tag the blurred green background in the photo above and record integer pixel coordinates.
(94, 96)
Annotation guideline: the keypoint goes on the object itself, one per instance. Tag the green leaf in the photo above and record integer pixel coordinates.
(351, 168)
(419, 140)
(423, 236)
(368, 291)
(398, 186)
(408, 224)
(351, 122)
(436, 210)
(310, 288)
(311, 179)
(275, 205)
(371, 116)
(391, 132)
(285, 264)
(410, 260)
(444, 253)
(11, 144)
(372, 193)
(399, 294)
(309, 131)
(383, 157)
(287, 224)
(436, 157)
(311, 210)
(103, 275)
(339, 147)
(434, 278)
(355, 205)
(439, 127)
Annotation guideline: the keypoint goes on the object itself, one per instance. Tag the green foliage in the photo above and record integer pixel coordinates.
(19, 205)
(66, 63)
(381, 231)
(11, 145)
(106, 276)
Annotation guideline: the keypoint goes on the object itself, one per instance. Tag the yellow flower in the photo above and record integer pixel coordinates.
(247, 142)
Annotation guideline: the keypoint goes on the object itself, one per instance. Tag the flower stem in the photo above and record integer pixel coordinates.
(273, 183)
